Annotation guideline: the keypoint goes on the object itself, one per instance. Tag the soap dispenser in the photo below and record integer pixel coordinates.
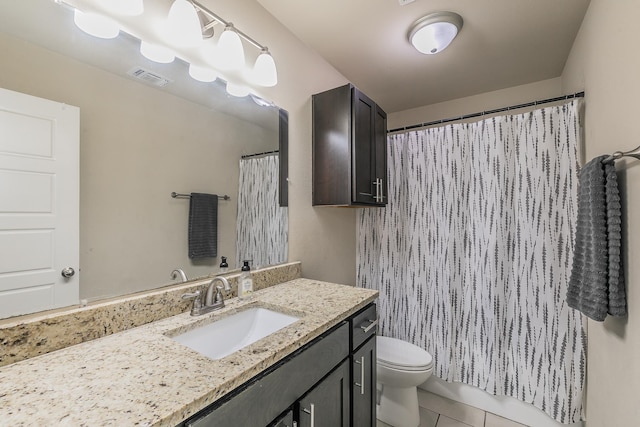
(224, 267)
(246, 282)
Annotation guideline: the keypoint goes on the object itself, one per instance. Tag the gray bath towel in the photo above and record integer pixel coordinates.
(203, 225)
(596, 287)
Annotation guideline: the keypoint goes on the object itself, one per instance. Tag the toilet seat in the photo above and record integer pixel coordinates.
(401, 355)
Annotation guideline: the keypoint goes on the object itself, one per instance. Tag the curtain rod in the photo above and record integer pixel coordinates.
(482, 113)
(258, 154)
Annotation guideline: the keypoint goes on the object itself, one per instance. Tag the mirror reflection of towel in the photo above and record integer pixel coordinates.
(203, 225)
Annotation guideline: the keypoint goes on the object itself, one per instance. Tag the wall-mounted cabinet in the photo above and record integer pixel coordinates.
(349, 149)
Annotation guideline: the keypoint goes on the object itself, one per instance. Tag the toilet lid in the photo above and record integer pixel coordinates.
(396, 353)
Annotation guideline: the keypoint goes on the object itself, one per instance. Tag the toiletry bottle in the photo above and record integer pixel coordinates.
(224, 267)
(245, 288)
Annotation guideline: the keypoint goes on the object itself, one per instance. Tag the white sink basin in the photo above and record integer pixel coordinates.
(225, 336)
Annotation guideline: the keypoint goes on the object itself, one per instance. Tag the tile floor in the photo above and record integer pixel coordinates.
(437, 411)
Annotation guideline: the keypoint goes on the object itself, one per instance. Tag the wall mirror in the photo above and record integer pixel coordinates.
(139, 143)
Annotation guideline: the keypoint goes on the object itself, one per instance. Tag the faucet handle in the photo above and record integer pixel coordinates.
(219, 298)
(197, 300)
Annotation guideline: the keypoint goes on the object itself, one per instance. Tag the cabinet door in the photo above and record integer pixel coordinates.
(363, 150)
(327, 405)
(285, 421)
(380, 147)
(364, 385)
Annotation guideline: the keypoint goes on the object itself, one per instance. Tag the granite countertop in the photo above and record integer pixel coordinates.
(141, 377)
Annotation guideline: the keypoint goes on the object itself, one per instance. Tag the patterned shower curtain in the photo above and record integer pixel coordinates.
(262, 226)
(472, 255)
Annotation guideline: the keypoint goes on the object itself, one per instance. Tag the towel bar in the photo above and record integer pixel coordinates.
(188, 196)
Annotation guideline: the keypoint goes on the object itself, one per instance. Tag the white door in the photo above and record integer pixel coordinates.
(39, 204)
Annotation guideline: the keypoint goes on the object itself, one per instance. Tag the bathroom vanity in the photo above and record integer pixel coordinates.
(322, 365)
(330, 381)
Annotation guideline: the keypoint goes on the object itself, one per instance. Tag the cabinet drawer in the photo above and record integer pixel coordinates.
(363, 326)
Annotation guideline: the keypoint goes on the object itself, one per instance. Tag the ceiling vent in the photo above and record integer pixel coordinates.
(147, 76)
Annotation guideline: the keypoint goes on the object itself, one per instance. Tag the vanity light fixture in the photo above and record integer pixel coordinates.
(432, 34)
(96, 25)
(264, 70)
(230, 51)
(183, 24)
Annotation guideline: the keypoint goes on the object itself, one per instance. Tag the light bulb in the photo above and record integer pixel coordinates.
(183, 25)
(202, 74)
(96, 25)
(156, 53)
(230, 51)
(264, 70)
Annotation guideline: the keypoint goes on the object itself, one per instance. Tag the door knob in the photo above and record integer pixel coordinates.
(68, 272)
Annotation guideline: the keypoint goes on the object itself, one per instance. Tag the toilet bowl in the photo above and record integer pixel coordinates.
(401, 367)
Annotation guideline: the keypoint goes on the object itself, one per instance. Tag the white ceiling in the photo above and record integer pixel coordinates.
(503, 43)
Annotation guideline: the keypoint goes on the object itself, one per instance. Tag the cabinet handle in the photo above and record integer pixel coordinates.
(382, 196)
(372, 325)
(311, 412)
(361, 385)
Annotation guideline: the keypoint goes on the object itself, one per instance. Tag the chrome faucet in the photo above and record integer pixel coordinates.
(212, 300)
(178, 271)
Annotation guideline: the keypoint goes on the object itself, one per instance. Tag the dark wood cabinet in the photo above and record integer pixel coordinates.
(349, 149)
(363, 367)
(327, 404)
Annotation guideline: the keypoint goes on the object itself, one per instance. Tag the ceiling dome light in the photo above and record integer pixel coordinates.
(96, 25)
(433, 33)
(124, 7)
(202, 74)
(230, 51)
(264, 70)
(183, 24)
(156, 53)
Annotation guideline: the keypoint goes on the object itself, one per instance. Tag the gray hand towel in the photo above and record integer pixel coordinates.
(596, 286)
(203, 225)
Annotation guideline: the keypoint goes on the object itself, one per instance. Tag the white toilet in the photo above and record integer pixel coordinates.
(401, 367)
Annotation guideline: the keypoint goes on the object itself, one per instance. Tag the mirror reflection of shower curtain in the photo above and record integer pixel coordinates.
(262, 226)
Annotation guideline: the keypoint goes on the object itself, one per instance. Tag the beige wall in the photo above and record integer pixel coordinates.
(473, 104)
(605, 62)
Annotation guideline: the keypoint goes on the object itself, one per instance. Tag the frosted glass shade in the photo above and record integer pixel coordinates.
(156, 53)
(96, 25)
(264, 70)
(230, 53)
(202, 74)
(183, 25)
(433, 33)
